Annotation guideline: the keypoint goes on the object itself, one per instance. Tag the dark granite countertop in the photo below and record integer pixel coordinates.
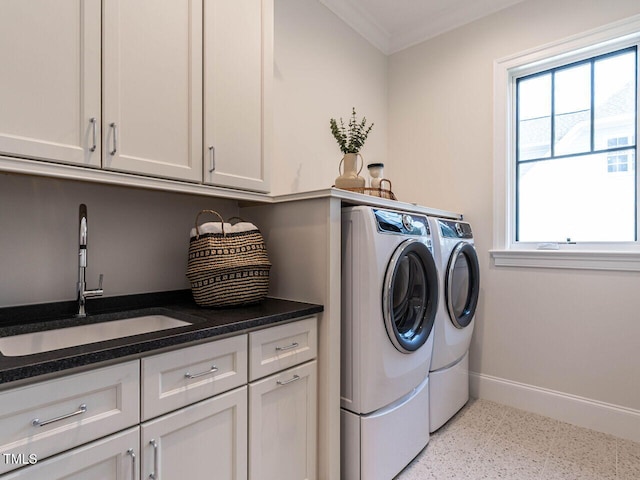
(205, 324)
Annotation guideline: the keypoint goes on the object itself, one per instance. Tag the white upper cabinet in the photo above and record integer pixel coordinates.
(238, 71)
(152, 100)
(50, 80)
(161, 88)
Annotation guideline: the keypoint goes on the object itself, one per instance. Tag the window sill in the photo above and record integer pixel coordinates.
(628, 261)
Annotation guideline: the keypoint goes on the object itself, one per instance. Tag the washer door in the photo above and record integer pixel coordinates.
(410, 296)
(462, 284)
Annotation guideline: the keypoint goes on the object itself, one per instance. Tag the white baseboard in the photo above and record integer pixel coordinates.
(615, 420)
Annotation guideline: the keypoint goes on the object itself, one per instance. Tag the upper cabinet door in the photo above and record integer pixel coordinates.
(50, 80)
(152, 74)
(238, 71)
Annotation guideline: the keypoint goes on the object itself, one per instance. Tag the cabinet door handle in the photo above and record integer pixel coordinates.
(132, 453)
(154, 475)
(288, 347)
(212, 158)
(114, 127)
(94, 127)
(291, 380)
(213, 369)
(36, 422)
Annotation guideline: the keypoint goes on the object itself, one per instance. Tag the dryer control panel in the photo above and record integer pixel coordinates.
(453, 229)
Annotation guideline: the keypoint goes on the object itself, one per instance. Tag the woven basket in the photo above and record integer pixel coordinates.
(375, 192)
(227, 268)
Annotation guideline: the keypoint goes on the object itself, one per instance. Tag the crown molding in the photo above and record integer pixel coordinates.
(362, 22)
(357, 17)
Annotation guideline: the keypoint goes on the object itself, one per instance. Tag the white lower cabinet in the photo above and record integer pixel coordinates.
(203, 441)
(282, 425)
(200, 418)
(49, 417)
(112, 458)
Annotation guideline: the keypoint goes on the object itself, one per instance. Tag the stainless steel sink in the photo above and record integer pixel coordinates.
(44, 341)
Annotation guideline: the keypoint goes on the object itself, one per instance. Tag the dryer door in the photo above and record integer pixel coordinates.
(410, 296)
(462, 284)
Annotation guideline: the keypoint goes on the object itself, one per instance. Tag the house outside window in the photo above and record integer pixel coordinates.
(617, 162)
(565, 140)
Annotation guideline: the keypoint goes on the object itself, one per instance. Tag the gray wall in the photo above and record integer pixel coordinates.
(137, 238)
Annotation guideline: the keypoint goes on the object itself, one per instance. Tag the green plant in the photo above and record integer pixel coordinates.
(350, 138)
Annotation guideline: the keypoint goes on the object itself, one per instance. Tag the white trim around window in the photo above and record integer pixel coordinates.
(506, 251)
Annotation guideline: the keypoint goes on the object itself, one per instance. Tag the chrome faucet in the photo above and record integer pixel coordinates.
(83, 293)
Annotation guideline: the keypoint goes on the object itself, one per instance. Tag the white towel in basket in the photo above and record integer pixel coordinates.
(215, 227)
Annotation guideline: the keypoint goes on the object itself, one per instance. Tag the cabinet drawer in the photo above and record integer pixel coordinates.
(174, 379)
(59, 414)
(276, 348)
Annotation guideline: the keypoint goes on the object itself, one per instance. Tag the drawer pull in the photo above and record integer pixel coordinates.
(212, 157)
(94, 128)
(288, 347)
(213, 369)
(114, 127)
(154, 475)
(38, 423)
(133, 463)
(291, 380)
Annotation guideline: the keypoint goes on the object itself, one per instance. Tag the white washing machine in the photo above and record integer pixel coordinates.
(389, 304)
(460, 286)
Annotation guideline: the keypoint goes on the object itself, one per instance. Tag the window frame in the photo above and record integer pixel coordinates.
(506, 250)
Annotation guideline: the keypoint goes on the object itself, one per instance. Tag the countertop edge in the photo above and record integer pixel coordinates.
(21, 370)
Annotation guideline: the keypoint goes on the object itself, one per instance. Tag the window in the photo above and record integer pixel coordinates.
(617, 162)
(575, 124)
(565, 143)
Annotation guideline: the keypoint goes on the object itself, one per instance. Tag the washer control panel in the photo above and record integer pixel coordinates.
(389, 221)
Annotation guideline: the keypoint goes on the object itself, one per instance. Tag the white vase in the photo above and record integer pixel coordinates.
(350, 178)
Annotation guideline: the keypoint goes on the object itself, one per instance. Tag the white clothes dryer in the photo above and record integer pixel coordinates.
(459, 272)
(389, 304)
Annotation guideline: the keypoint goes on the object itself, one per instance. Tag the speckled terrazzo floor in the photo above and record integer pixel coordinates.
(486, 440)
